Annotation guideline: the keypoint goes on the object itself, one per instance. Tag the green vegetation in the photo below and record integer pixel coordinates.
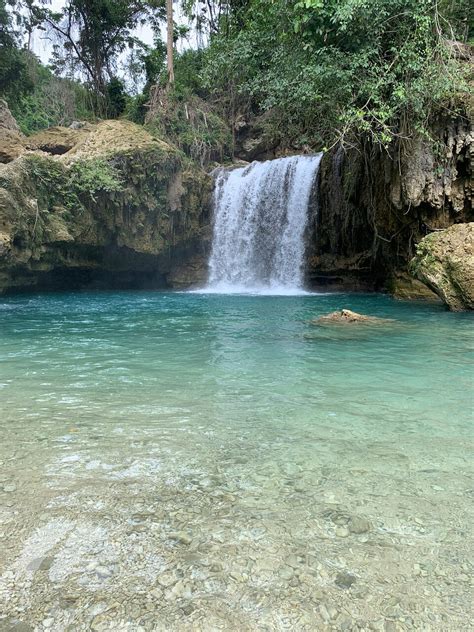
(332, 69)
(184, 114)
(14, 78)
(51, 100)
(71, 184)
(321, 71)
(93, 175)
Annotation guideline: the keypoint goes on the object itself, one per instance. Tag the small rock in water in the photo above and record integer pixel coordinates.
(103, 572)
(41, 564)
(180, 590)
(328, 612)
(68, 600)
(286, 572)
(188, 609)
(182, 537)
(359, 525)
(344, 580)
(342, 532)
(216, 567)
(293, 561)
(346, 316)
(167, 579)
(9, 487)
(46, 563)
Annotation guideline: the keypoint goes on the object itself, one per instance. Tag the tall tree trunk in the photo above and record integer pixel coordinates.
(169, 40)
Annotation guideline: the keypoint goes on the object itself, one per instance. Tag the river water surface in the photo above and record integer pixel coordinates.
(210, 462)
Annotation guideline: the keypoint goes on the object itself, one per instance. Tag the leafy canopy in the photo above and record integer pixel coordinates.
(333, 69)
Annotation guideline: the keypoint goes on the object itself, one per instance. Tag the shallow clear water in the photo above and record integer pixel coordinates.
(192, 461)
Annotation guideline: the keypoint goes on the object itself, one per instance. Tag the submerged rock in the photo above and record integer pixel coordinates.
(444, 261)
(359, 525)
(349, 317)
(344, 580)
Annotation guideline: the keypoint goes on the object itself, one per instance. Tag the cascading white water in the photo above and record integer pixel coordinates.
(260, 217)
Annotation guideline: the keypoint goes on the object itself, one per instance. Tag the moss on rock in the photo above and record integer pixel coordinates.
(120, 201)
(444, 261)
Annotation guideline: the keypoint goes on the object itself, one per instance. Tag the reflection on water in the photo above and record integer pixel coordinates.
(192, 461)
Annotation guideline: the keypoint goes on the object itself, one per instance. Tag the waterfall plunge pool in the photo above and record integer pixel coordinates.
(186, 461)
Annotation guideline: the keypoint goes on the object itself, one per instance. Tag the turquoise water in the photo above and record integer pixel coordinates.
(228, 445)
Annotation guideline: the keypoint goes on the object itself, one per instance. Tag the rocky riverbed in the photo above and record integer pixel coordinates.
(92, 540)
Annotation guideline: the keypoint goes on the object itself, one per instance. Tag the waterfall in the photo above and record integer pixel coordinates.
(260, 217)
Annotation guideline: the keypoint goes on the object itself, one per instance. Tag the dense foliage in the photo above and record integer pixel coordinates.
(37, 97)
(319, 70)
(329, 69)
(50, 100)
(83, 180)
(90, 36)
(13, 72)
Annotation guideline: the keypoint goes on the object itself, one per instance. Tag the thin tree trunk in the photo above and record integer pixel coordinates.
(169, 40)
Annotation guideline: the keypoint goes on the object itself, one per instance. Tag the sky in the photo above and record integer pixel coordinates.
(42, 45)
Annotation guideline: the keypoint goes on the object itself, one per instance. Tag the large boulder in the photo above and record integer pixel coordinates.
(444, 261)
(404, 287)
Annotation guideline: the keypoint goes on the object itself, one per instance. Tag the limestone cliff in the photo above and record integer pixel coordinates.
(106, 205)
(375, 206)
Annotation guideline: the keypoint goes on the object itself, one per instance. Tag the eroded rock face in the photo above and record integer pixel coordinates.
(404, 287)
(57, 140)
(444, 261)
(251, 139)
(11, 139)
(375, 206)
(108, 205)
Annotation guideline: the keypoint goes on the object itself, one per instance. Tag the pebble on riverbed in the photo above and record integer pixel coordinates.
(344, 580)
(182, 537)
(359, 525)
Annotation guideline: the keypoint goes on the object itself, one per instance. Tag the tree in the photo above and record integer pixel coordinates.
(91, 34)
(169, 40)
(329, 70)
(14, 78)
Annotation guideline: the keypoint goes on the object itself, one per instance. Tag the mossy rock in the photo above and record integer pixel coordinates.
(404, 287)
(120, 200)
(118, 137)
(444, 261)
